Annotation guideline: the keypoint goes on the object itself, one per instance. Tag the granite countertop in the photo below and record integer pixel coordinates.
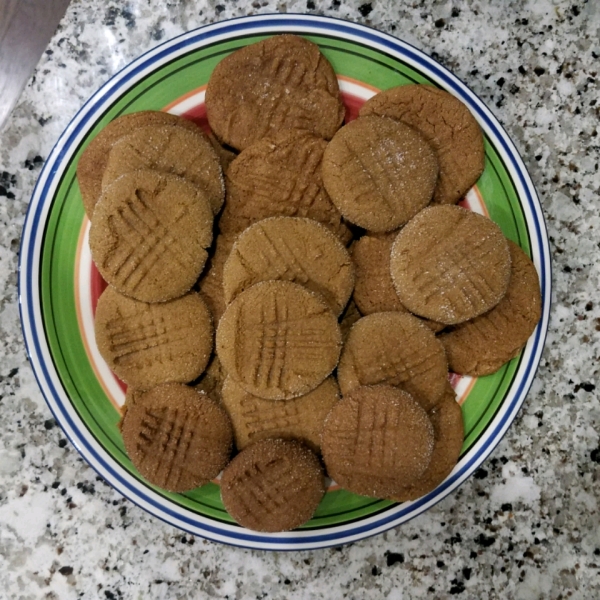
(525, 526)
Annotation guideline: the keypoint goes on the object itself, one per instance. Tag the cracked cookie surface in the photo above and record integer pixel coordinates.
(379, 172)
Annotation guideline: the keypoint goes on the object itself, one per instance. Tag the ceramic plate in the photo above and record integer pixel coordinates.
(59, 285)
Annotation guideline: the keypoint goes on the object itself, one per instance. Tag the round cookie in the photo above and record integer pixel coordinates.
(282, 82)
(379, 173)
(377, 440)
(278, 340)
(301, 418)
(374, 290)
(450, 265)
(91, 165)
(147, 344)
(280, 176)
(273, 485)
(176, 437)
(290, 249)
(396, 349)
(210, 283)
(174, 150)
(481, 346)
(448, 432)
(149, 235)
(447, 124)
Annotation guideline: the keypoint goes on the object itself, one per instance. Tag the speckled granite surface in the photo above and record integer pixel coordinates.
(526, 526)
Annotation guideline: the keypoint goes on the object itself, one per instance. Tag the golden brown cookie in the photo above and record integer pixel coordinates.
(210, 283)
(149, 235)
(374, 290)
(176, 437)
(448, 126)
(376, 441)
(448, 432)
(147, 344)
(273, 485)
(280, 176)
(278, 340)
(301, 418)
(211, 381)
(175, 150)
(91, 165)
(290, 249)
(282, 82)
(450, 264)
(481, 346)
(396, 349)
(379, 172)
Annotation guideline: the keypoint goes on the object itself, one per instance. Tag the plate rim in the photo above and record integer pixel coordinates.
(28, 281)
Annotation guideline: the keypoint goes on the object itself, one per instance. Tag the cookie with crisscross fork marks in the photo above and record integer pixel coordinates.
(379, 173)
(377, 440)
(280, 176)
(481, 346)
(149, 235)
(174, 150)
(282, 82)
(176, 437)
(450, 264)
(396, 349)
(291, 249)
(448, 433)
(273, 485)
(147, 344)
(300, 418)
(278, 340)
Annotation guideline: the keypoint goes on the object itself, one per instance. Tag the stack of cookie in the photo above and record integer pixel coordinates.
(424, 286)
(151, 184)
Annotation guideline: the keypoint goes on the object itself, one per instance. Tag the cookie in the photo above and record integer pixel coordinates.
(301, 418)
(278, 340)
(91, 165)
(379, 173)
(374, 290)
(210, 283)
(147, 344)
(396, 349)
(450, 265)
(174, 150)
(273, 485)
(481, 346)
(280, 176)
(282, 82)
(376, 441)
(448, 432)
(447, 124)
(176, 437)
(149, 235)
(211, 381)
(290, 249)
